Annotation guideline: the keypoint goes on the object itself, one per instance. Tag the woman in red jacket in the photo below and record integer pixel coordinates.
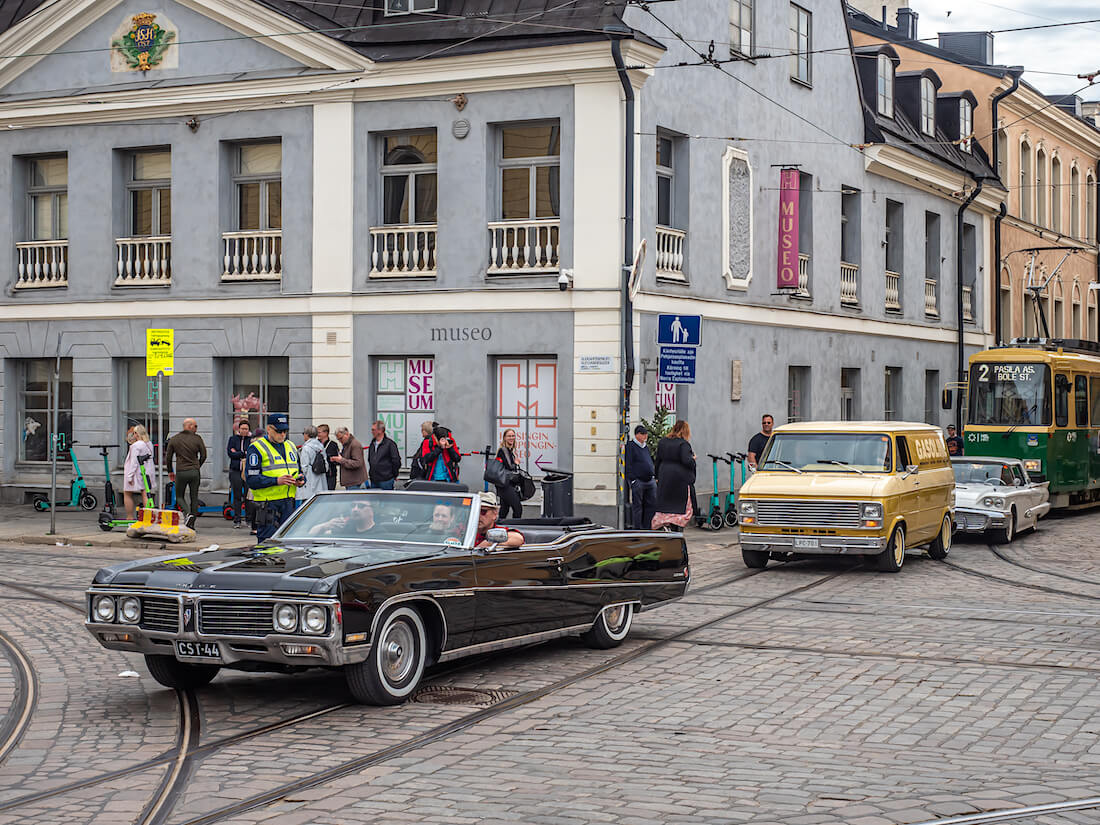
(442, 460)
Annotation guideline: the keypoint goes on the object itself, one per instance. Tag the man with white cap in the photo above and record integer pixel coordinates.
(487, 520)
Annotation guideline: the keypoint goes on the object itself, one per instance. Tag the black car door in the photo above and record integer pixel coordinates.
(519, 591)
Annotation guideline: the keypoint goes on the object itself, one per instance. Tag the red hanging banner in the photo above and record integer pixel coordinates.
(786, 276)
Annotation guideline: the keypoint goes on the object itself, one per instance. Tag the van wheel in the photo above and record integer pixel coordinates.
(941, 545)
(892, 558)
(1008, 533)
(756, 559)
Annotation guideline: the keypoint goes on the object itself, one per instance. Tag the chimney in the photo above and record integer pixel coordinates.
(975, 46)
(907, 23)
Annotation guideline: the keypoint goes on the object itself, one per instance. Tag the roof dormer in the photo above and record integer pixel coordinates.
(955, 115)
(916, 94)
(877, 68)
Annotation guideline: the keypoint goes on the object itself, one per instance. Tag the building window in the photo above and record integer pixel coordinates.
(35, 377)
(1090, 332)
(966, 124)
(849, 394)
(1056, 193)
(258, 387)
(259, 184)
(48, 198)
(1002, 155)
(527, 402)
(409, 6)
(932, 397)
(665, 181)
(1075, 312)
(1041, 187)
(741, 26)
(405, 399)
(1025, 181)
(1075, 202)
(895, 241)
(138, 395)
(927, 106)
(885, 86)
(150, 193)
(1058, 320)
(801, 45)
(892, 406)
(409, 178)
(850, 225)
(798, 394)
(970, 266)
(1090, 208)
(530, 168)
(931, 262)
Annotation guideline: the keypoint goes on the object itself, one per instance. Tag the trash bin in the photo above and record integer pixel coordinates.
(557, 493)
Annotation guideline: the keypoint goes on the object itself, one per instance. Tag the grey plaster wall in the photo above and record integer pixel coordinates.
(87, 62)
(202, 203)
(203, 347)
(464, 371)
(468, 180)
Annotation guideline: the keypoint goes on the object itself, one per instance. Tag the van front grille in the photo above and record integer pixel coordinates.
(822, 513)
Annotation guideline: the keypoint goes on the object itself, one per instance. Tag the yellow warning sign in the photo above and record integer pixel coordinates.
(158, 351)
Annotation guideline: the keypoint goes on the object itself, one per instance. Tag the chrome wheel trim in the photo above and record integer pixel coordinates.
(616, 620)
(946, 534)
(398, 652)
(899, 547)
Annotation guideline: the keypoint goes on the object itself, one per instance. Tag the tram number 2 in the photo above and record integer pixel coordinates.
(983, 372)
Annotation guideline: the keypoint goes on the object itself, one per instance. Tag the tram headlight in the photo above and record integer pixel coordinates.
(1033, 465)
(314, 619)
(129, 610)
(104, 608)
(286, 618)
(996, 502)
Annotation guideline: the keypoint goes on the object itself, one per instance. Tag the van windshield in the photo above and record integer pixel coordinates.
(828, 453)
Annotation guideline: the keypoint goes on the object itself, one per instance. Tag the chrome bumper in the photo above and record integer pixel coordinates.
(968, 520)
(826, 545)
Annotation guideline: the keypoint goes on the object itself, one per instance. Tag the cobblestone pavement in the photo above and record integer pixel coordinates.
(813, 692)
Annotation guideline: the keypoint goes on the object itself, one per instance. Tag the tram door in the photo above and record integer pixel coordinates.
(1079, 445)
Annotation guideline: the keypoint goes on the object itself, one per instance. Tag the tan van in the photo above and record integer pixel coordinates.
(844, 487)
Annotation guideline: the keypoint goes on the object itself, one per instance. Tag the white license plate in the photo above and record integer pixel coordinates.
(805, 544)
(199, 650)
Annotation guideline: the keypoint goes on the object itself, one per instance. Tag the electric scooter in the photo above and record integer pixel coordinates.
(714, 518)
(79, 494)
(731, 499)
(107, 520)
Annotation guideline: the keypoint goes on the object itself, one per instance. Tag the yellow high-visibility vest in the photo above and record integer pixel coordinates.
(274, 465)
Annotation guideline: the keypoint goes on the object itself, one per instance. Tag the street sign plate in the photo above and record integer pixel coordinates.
(159, 349)
(680, 330)
(676, 365)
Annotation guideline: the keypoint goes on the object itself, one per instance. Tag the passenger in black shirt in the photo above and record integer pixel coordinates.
(760, 440)
(954, 443)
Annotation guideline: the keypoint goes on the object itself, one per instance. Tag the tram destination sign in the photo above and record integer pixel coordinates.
(1007, 372)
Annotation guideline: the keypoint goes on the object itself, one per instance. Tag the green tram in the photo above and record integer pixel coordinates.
(1039, 400)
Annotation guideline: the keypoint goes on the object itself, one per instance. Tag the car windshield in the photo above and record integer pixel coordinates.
(1010, 395)
(416, 518)
(828, 453)
(980, 472)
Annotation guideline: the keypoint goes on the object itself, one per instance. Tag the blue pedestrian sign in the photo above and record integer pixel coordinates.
(680, 330)
(676, 365)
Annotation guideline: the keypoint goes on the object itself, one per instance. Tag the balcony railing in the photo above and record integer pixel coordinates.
(42, 264)
(803, 291)
(523, 247)
(968, 303)
(931, 298)
(253, 255)
(403, 251)
(849, 284)
(670, 253)
(144, 261)
(893, 291)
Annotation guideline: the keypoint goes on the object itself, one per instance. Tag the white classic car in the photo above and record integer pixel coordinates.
(997, 494)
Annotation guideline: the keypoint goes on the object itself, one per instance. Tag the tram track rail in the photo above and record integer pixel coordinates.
(1035, 569)
(19, 715)
(1016, 814)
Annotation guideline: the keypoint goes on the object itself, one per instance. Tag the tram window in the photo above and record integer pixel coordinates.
(1081, 400)
(1094, 387)
(1061, 401)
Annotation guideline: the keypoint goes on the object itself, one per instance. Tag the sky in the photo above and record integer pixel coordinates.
(1068, 50)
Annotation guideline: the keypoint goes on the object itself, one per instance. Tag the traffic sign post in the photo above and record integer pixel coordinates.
(676, 365)
(159, 362)
(679, 330)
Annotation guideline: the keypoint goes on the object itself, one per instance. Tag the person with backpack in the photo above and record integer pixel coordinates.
(314, 464)
(418, 461)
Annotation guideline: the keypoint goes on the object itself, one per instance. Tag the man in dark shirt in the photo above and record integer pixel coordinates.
(383, 458)
(184, 456)
(640, 479)
(332, 448)
(759, 441)
(954, 443)
(237, 449)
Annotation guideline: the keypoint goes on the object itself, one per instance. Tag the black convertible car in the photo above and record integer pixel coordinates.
(382, 585)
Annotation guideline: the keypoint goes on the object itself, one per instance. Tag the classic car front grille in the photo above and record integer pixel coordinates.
(971, 521)
(244, 618)
(159, 614)
(843, 514)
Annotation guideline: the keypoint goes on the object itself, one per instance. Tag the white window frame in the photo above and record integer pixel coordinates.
(1041, 217)
(532, 164)
(966, 124)
(414, 7)
(1074, 200)
(728, 157)
(885, 86)
(927, 106)
(257, 417)
(1027, 163)
(1055, 193)
(265, 180)
(410, 171)
(667, 172)
(802, 44)
(59, 200)
(739, 30)
(133, 186)
(1090, 207)
(399, 406)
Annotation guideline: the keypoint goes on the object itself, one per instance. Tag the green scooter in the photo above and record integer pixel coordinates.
(79, 494)
(731, 498)
(715, 518)
(108, 516)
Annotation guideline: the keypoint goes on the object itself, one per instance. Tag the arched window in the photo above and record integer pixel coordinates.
(1056, 193)
(1058, 320)
(966, 124)
(885, 86)
(1075, 312)
(1089, 332)
(927, 106)
(1002, 155)
(1041, 187)
(1090, 207)
(1025, 181)
(1074, 201)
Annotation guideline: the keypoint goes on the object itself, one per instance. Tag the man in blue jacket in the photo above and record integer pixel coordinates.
(640, 478)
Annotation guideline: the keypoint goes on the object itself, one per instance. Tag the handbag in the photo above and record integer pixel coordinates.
(522, 481)
(496, 474)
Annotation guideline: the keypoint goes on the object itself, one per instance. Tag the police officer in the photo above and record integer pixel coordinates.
(273, 475)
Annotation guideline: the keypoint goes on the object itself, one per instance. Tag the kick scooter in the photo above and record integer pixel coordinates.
(731, 499)
(108, 522)
(714, 518)
(79, 494)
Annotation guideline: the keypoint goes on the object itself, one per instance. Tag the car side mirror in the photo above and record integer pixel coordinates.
(912, 469)
(947, 399)
(496, 535)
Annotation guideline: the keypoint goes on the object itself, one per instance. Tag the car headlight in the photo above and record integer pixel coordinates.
(314, 619)
(286, 618)
(996, 502)
(129, 610)
(104, 608)
(871, 514)
(746, 511)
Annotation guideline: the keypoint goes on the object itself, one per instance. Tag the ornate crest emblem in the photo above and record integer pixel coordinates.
(143, 47)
